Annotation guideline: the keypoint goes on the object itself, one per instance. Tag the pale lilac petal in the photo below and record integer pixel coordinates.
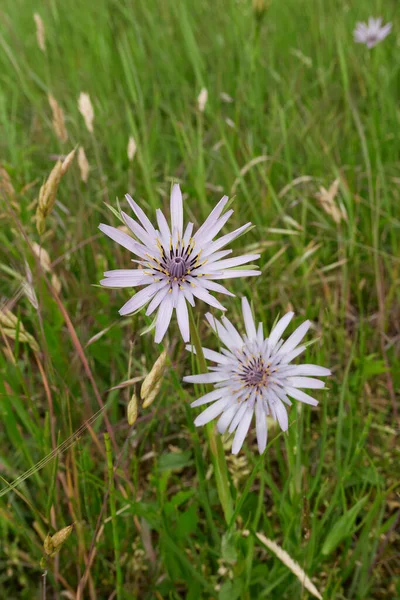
(236, 338)
(291, 355)
(188, 295)
(121, 238)
(138, 300)
(279, 328)
(138, 231)
(219, 329)
(141, 216)
(238, 417)
(226, 417)
(204, 378)
(312, 370)
(126, 281)
(163, 317)
(156, 301)
(281, 415)
(211, 412)
(164, 228)
(233, 262)
(261, 426)
(213, 216)
(295, 338)
(306, 382)
(242, 430)
(118, 273)
(248, 320)
(236, 273)
(214, 287)
(301, 396)
(210, 397)
(176, 210)
(210, 355)
(225, 239)
(202, 294)
(183, 317)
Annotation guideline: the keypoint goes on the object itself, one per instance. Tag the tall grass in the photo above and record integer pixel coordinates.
(308, 106)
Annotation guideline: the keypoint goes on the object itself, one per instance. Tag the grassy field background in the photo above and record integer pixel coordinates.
(308, 106)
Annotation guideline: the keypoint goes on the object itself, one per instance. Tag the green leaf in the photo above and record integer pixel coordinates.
(229, 546)
(231, 590)
(175, 460)
(342, 528)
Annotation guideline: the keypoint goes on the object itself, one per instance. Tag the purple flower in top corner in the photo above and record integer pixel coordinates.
(175, 266)
(371, 33)
(254, 376)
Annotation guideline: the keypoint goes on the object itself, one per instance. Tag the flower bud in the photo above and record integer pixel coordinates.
(132, 410)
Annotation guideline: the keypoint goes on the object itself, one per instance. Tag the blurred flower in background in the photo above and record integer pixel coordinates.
(372, 33)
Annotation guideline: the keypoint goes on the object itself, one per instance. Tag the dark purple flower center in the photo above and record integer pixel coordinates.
(177, 267)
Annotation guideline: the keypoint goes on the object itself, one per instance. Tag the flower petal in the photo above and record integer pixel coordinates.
(261, 426)
(141, 216)
(279, 328)
(205, 378)
(176, 210)
(139, 299)
(226, 417)
(295, 338)
(248, 320)
(210, 397)
(242, 430)
(163, 317)
(306, 382)
(301, 396)
(211, 412)
(202, 294)
(183, 317)
(120, 237)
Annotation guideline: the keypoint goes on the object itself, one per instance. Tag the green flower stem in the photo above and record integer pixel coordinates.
(113, 510)
(214, 441)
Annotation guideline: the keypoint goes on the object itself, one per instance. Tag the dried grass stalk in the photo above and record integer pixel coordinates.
(131, 150)
(153, 379)
(327, 200)
(290, 564)
(86, 110)
(13, 329)
(202, 99)
(83, 164)
(40, 32)
(58, 119)
(132, 411)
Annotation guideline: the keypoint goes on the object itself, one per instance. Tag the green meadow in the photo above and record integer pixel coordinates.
(300, 128)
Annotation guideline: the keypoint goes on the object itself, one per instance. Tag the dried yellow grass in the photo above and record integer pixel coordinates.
(68, 161)
(45, 263)
(58, 119)
(83, 164)
(290, 564)
(6, 186)
(131, 150)
(47, 196)
(86, 110)
(327, 200)
(40, 32)
(132, 410)
(52, 544)
(48, 191)
(152, 382)
(202, 99)
(14, 329)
